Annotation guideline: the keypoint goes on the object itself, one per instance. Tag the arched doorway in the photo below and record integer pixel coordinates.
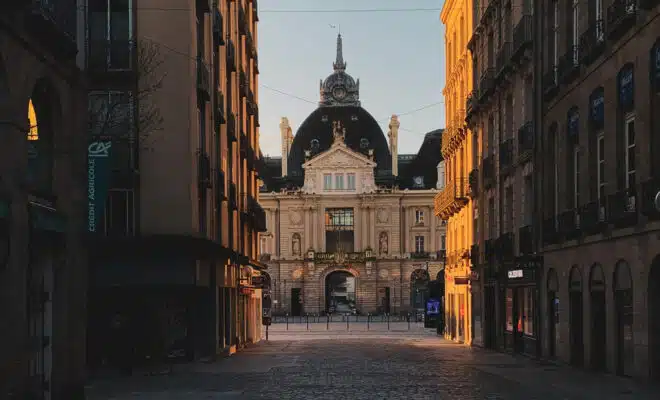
(598, 318)
(43, 112)
(552, 287)
(419, 286)
(340, 293)
(623, 300)
(654, 319)
(575, 323)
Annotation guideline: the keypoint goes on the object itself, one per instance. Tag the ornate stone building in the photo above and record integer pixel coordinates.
(349, 221)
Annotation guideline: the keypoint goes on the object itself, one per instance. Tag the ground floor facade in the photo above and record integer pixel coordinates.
(458, 305)
(376, 287)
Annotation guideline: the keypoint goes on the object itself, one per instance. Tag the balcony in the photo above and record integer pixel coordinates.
(550, 83)
(474, 255)
(255, 63)
(203, 80)
(622, 208)
(53, 23)
(441, 255)
(621, 16)
(218, 28)
(525, 141)
(243, 206)
(220, 106)
(569, 224)
(489, 250)
(488, 167)
(249, 43)
(242, 83)
(473, 180)
(471, 103)
(506, 156)
(526, 240)
(203, 170)
(486, 83)
(220, 193)
(233, 204)
(255, 10)
(503, 61)
(110, 55)
(231, 127)
(243, 27)
(569, 65)
(231, 55)
(550, 232)
(593, 217)
(504, 246)
(452, 198)
(420, 255)
(257, 214)
(523, 39)
(592, 42)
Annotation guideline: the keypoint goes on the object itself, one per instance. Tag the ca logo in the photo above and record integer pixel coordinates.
(99, 149)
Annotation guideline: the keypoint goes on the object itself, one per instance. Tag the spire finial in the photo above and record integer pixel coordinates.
(339, 64)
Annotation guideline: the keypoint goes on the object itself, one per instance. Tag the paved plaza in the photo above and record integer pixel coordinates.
(369, 365)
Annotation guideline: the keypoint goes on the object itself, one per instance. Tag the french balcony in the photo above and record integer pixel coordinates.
(474, 255)
(488, 167)
(550, 231)
(473, 180)
(593, 217)
(220, 106)
(592, 42)
(506, 156)
(503, 61)
(650, 192)
(231, 55)
(486, 83)
(220, 191)
(525, 141)
(523, 39)
(242, 83)
(526, 240)
(231, 127)
(243, 27)
(621, 16)
(452, 198)
(255, 10)
(218, 28)
(249, 42)
(420, 255)
(110, 55)
(441, 255)
(257, 214)
(569, 224)
(233, 201)
(550, 82)
(203, 170)
(471, 103)
(504, 246)
(255, 63)
(622, 208)
(203, 80)
(569, 65)
(243, 206)
(53, 23)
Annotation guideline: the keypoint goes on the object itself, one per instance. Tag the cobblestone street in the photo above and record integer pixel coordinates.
(368, 365)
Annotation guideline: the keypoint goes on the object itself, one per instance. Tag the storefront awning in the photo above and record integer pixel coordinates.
(257, 265)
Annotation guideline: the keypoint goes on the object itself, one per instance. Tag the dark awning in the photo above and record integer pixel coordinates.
(257, 265)
(179, 245)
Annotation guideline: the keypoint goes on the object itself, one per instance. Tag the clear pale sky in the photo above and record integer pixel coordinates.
(398, 57)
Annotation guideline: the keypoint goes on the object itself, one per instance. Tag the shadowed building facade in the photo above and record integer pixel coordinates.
(349, 222)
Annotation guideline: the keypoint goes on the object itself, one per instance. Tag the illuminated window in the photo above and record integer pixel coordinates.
(33, 133)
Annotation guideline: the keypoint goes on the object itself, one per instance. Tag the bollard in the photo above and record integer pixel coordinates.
(327, 324)
(368, 320)
(347, 322)
(287, 321)
(408, 321)
(388, 321)
(266, 332)
(307, 319)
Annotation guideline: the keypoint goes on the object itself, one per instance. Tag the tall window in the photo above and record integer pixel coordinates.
(576, 177)
(598, 6)
(110, 33)
(339, 181)
(509, 209)
(120, 213)
(600, 161)
(351, 181)
(492, 219)
(630, 151)
(555, 180)
(419, 216)
(327, 181)
(419, 244)
(491, 135)
(576, 29)
(339, 235)
(111, 116)
(555, 35)
(528, 198)
(443, 242)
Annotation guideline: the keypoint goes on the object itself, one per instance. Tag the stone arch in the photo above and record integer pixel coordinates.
(622, 277)
(653, 307)
(440, 276)
(596, 278)
(327, 273)
(575, 279)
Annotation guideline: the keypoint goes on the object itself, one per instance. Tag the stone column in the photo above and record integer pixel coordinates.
(315, 229)
(404, 231)
(365, 227)
(308, 231)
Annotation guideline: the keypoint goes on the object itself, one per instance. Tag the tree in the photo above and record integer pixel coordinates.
(131, 116)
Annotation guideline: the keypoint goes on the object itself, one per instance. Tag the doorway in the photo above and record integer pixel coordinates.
(553, 312)
(340, 294)
(654, 319)
(576, 317)
(623, 298)
(40, 323)
(384, 300)
(598, 319)
(490, 338)
(296, 302)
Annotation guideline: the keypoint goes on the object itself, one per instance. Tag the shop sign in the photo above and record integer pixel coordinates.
(246, 290)
(515, 274)
(461, 280)
(98, 169)
(258, 281)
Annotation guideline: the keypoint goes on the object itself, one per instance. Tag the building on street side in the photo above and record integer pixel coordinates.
(349, 227)
(454, 204)
(500, 112)
(600, 174)
(174, 221)
(42, 198)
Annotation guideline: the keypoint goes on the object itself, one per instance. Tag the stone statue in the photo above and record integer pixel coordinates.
(295, 244)
(382, 243)
(338, 133)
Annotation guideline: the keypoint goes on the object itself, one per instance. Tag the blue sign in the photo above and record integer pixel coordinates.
(573, 122)
(98, 170)
(656, 69)
(432, 307)
(626, 87)
(597, 106)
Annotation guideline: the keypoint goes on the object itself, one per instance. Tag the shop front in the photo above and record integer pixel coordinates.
(457, 309)
(521, 305)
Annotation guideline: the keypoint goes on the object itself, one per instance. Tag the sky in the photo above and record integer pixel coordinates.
(397, 55)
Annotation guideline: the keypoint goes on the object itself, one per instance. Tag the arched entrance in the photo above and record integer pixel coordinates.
(575, 323)
(623, 300)
(43, 112)
(654, 318)
(340, 293)
(419, 286)
(552, 287)
(598, 318)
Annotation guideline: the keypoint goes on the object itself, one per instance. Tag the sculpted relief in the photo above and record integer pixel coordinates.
(383, 216)
(295, 218)
(295, 244)
(383, 243)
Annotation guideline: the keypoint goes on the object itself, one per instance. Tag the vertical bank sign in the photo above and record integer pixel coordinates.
(98, 168)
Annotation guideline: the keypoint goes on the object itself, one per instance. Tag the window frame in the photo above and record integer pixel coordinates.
(350, 181)
(600, 162)
(576, 30)
(327, 181)
(555, 36)
(576, 177)
(419, 217)
(630, 118)
(419, 244)
(339, 181)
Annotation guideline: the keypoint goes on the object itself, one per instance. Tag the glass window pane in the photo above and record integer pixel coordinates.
(631, 132)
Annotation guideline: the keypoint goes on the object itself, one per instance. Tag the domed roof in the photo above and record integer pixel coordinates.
(339, 88)
(362, 134)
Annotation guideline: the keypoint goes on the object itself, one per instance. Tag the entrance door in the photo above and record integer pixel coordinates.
(553, 320)
(576, 329)
(623, 298)
(489, 317)
(40, 326)
(296, 302)
(598, 329)
(461, 317)
(384, 300)
(518, 316)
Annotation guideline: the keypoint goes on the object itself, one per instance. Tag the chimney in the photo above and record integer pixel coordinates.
(393, 135)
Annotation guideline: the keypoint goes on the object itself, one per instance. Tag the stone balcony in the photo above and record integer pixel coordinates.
(452, 198)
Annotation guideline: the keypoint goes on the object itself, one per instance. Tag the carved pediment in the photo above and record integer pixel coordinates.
(339, 156)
